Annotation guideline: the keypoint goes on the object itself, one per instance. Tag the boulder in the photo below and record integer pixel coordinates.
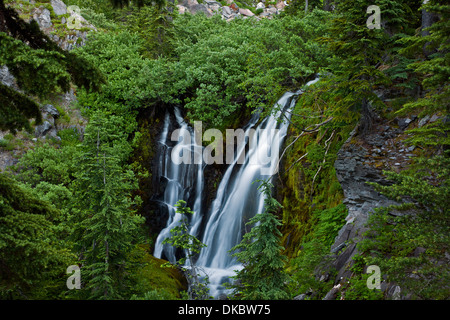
(260, 5)
(6, 77)
(42, 17)
(50, 110)
(214, 6)
(200, 8)
(43, 129)
(182, 9)
(280, 5)
(213, 3)
(272, 10)
(226, 11)
(246, 12)
(59, 7)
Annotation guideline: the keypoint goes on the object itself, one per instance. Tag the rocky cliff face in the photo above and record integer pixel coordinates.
(361, 160)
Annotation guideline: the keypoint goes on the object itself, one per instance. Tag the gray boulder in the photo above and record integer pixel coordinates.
(51, 110)
(59, 7)
(6, 77)
(42, 17)
(43, 129)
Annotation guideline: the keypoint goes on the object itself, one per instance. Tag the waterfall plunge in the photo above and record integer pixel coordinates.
(237, 199)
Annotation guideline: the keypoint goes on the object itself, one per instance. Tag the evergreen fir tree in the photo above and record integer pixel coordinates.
(263, 276)
(361, 51)
(106, 224)
(431, 50)
(32, 258)
(155, 25)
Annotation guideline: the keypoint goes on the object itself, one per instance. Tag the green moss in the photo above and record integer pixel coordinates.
(151, 276)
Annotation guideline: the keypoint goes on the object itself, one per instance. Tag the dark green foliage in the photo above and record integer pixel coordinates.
(117, 57)
(39, 66)
(263, 276)
(433, 71)
(56, 166)
(16, 109)
(105, 223)
(32, 259)
(416, 241)
(155, 25)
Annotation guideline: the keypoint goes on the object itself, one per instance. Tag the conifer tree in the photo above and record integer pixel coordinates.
(105, 222)
(32, 259)
(263, 276)
(155, 25)
(431, 50)
(361, 51)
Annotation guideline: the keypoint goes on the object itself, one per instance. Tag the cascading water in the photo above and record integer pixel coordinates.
(182, 179)
(237, 198)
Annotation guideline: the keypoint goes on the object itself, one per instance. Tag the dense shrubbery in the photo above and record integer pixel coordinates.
(216, 69)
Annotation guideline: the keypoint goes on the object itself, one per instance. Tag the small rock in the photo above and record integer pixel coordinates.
(59, 7)
(226, 11)
(41, 130)
(280, 5)
(42, 17)
(403, 123)
(246, 12)
(260, 5)
(434, 118)
(424, 121)
(182, 9)
(48, 108)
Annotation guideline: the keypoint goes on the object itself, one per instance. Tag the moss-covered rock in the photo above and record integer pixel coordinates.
(150, 276)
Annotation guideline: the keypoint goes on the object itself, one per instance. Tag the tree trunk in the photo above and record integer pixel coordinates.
(366, 121)
(428, 18)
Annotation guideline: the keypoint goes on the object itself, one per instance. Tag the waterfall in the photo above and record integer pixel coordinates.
(184, 181)
(237, 199)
